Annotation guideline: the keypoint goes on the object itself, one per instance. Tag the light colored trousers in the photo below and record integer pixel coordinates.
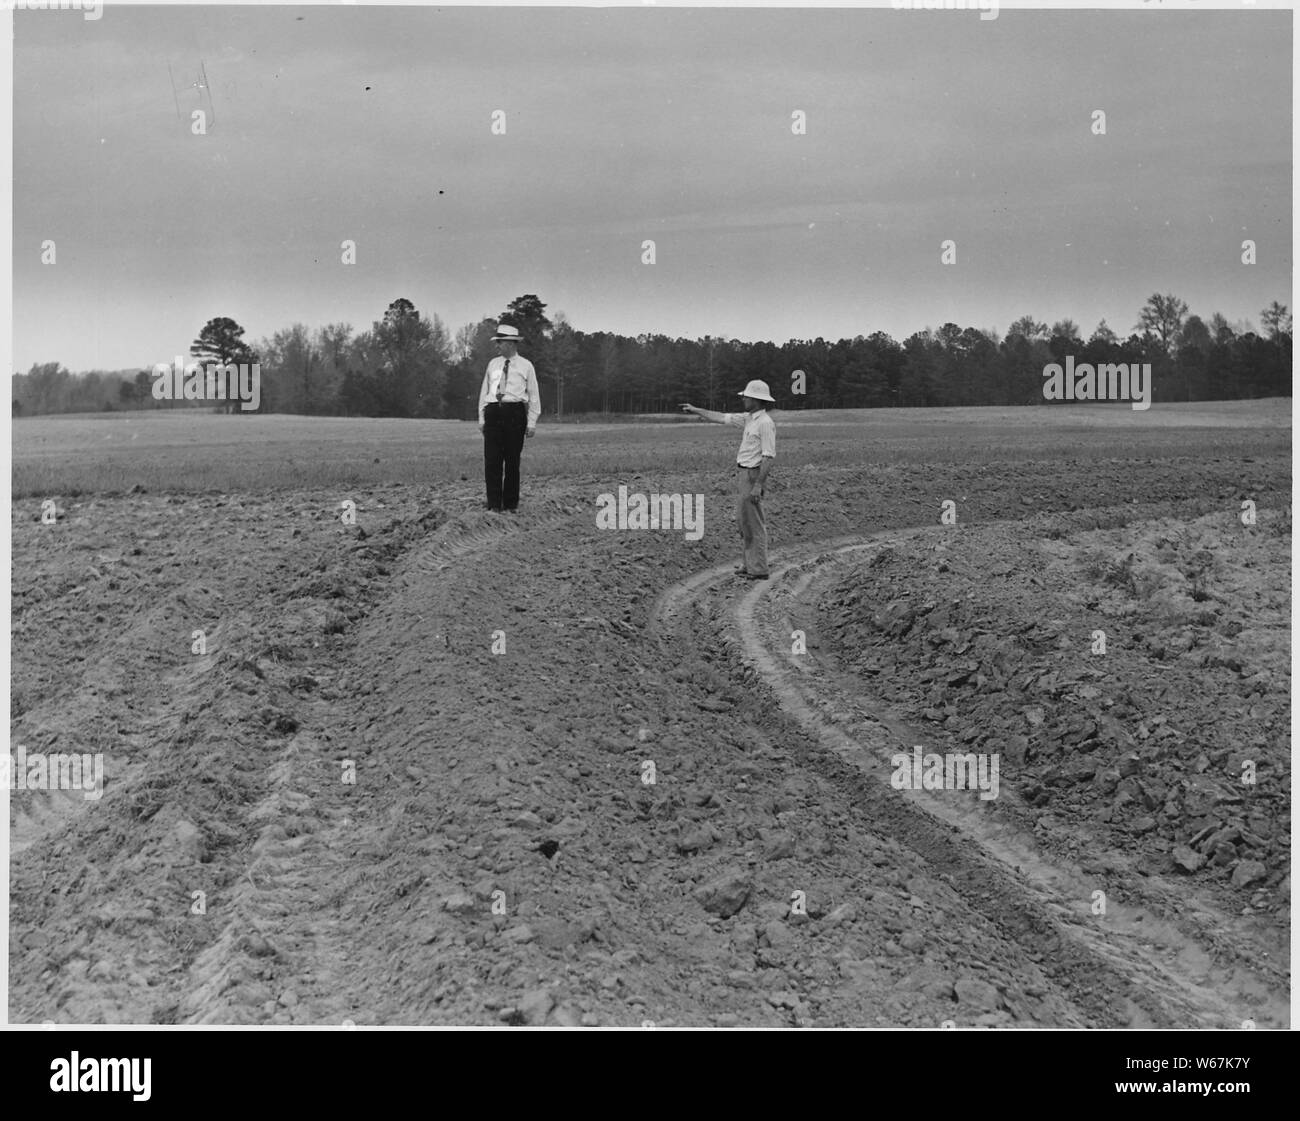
(753, 526)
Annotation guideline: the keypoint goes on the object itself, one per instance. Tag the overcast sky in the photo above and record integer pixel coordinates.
(623, 125)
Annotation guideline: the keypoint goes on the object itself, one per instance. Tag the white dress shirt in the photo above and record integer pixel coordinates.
(520, 385)
(758, 439)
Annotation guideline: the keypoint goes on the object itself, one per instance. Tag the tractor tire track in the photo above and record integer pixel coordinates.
(1136, 966)
(285, 917)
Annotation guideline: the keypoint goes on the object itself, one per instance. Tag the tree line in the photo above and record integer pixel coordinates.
(409, 365)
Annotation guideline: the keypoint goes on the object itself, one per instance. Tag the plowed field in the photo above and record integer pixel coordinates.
(433, 765)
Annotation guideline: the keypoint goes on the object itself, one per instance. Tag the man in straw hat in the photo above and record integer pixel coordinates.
(754, 461)
(508, 408)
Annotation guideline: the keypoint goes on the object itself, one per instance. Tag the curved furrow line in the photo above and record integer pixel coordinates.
(456, 540)
(1101, 967)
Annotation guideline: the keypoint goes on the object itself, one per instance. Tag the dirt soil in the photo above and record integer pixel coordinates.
(349, 809)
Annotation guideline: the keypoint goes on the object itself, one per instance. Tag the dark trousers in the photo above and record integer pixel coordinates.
(503, 441)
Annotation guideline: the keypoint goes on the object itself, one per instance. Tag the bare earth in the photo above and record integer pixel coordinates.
(501, 856)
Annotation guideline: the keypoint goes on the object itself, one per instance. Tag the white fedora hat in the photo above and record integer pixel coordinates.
(507, 334)
(758, 390)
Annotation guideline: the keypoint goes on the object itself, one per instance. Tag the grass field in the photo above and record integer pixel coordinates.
(197, 452)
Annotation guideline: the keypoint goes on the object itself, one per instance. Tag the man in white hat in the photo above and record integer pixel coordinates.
(754, 461)
(508, 407)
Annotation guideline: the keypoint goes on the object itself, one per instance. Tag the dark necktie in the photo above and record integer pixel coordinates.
(501, 387)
